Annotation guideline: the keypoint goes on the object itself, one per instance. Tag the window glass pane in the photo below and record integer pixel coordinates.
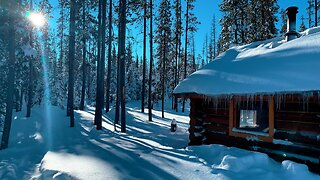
(248, 119)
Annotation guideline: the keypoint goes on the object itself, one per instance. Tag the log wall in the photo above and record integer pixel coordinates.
(295, 120)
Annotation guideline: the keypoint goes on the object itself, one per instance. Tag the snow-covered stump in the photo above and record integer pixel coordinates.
(173, 125)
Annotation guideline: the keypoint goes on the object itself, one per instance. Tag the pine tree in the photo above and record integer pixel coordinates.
(191, 26)
(212, 45)
(163, 39)
(100, 69)
(144, 54)
(110, 38)
(318, 7)
(177, 41)
(315, 12)
(302, 25)
(233, 23)
(133, 81)
(10, 78)
(193, 67)
(151, 64)
(62, 62)
(239, 26)
(266, 20)
(121, 66)
(283, 28)
(83, 89)
(71, 61)
(224, 41)
(30, 84)
(310, 12)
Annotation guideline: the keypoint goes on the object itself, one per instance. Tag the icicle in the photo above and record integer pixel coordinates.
(261, 101)
(276, 101)
(253, 101)
(308, 104)
(303, 100)
(318, 97)
(248, 101)
(239, 102)
(284, 100)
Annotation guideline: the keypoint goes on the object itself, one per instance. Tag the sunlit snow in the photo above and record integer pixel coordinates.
(149, 150)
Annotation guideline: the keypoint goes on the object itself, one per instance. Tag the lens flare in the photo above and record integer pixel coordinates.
(47, 95)
(37, 19)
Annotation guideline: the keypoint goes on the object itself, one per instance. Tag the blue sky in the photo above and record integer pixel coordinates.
(204, 10)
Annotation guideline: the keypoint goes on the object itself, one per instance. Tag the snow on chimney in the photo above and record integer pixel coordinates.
(291, 23)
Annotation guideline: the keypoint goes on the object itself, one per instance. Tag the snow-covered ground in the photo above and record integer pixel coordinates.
(45, 147)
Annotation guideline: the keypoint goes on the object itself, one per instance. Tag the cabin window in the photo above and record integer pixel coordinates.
(248, 119)
(254, 118)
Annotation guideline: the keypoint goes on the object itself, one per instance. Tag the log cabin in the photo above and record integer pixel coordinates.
(264, 96)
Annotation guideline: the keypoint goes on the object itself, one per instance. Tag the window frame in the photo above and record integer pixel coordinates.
(268, 137)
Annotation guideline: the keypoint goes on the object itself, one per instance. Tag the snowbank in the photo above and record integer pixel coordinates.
(261, 67)
(234, 163)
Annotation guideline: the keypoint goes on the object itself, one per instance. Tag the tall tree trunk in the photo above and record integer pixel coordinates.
(186, 50)
(178, 62)
(16, 99)
(71, 60)
(30, 87)
(214, 37)
(83, 88)
(98, 61)
(122, 51)
(89, 73)
(11, 77)
(163, 75)
(194, 66)
(109, 57)
(21, 99)
(175, 72)
(144, 55)
(117, 111)
(101, 67)
(61, 63)
(177, 50)
(151, 63)
(316, 12)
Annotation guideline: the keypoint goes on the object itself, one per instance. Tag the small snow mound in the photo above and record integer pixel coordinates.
(310, 31)
(296, 171)
(60, 164)
(37, 136)
(238, 164)
(293, 167)
(275, 44)
(49, 174)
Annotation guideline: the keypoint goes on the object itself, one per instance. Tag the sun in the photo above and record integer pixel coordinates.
(37, 19)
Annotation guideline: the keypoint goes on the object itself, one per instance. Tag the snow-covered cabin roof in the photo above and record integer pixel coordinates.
(271, 66)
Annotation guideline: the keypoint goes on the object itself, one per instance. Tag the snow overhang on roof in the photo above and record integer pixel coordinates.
(269, 66)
